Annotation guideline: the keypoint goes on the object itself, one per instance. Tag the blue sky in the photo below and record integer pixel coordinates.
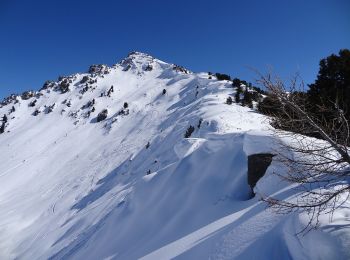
(41, 40)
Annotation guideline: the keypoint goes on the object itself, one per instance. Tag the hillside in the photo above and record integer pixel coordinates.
(96, 166)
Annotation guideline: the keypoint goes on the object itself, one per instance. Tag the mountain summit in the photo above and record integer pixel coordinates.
(143, 159)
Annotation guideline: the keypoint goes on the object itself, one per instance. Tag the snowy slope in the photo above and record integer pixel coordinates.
(131, 186)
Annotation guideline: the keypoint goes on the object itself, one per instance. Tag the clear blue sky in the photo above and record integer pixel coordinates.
(41, 39)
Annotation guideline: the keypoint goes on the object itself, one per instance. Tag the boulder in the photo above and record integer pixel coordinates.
(102, 115)
(257, 166)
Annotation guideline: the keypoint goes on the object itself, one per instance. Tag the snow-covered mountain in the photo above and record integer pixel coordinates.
(96, 166)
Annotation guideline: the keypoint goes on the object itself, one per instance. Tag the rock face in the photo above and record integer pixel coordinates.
(257, 166)
(98, 69)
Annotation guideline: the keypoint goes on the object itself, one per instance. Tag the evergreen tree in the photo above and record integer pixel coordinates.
(236, 82)
(220, 76)
(332, 86)
(238, 94)
(247, 98)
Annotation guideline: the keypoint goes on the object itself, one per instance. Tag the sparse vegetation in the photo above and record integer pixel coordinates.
(220, 76)
(238, 94)
(247, 98)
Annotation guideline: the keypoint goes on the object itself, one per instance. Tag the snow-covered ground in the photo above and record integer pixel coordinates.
(131, 186)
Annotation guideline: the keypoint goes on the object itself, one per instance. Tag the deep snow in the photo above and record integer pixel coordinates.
(72, 188)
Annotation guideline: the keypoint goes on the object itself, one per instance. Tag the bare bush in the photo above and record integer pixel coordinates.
(319, 168)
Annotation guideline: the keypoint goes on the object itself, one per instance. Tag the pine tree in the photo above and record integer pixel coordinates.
(238, 94)
(247, 98)
(236, 82)
(332, 86)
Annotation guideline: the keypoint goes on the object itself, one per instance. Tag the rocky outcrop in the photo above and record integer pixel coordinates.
(257, 166)
(27, 95)
(98, 69)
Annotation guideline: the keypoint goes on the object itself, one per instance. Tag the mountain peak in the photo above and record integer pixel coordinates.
(139, 54)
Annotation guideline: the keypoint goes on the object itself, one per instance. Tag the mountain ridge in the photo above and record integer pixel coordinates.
(153, 167)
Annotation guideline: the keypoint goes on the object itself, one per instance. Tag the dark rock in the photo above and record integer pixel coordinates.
(87, 105)
(33, 103)
(102, 115)
(123, 112)
(200, 123)
(4, 119)
(189, 131)
(127, 67)
(27, 95)
(12, 110)
(110, 91)
(84, 89)
(36, 112)
(149, 67)
(64, 85)
(84, 79)
(8, 100)
(257, 166)
(180, 69)
(3, 124)
(2, 128)
(98, 69)
(92, 81)
(48, 84)
(49, 109)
